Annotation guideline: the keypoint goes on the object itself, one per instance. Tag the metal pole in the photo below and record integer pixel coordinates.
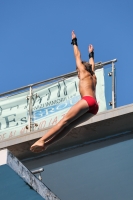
(113, 85)
(38, 171)
(30, 111)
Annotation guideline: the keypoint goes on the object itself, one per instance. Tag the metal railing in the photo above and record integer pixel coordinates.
(97, 66)
(59, 78)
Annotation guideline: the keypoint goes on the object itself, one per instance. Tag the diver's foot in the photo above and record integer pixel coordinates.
(38, 146)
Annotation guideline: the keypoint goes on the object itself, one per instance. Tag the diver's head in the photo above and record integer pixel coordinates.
(88, 67)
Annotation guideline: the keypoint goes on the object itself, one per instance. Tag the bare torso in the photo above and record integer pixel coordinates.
(87, 84)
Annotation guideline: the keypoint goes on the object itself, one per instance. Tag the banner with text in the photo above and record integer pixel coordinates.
(49, 104)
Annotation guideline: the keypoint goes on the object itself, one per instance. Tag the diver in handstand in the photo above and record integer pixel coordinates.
(83, 110)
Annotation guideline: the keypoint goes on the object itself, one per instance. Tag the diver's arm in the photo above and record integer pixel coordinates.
(77, 54)
(91, 56)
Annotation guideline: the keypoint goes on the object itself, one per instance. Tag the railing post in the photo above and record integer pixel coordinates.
(30, 111)
(113, 85)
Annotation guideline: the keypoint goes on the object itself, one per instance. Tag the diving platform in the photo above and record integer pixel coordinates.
(104, 125)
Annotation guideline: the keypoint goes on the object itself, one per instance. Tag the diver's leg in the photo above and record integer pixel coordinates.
(80, 108)
(67, 129)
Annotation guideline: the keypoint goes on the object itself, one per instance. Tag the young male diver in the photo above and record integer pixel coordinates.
(83, 110)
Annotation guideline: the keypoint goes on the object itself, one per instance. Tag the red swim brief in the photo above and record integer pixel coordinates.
(92, 103)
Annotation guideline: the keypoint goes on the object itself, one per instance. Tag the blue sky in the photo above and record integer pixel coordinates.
(35, 38)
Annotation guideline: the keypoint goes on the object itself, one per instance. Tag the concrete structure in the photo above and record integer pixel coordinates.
(94, 161)
(17, 182)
